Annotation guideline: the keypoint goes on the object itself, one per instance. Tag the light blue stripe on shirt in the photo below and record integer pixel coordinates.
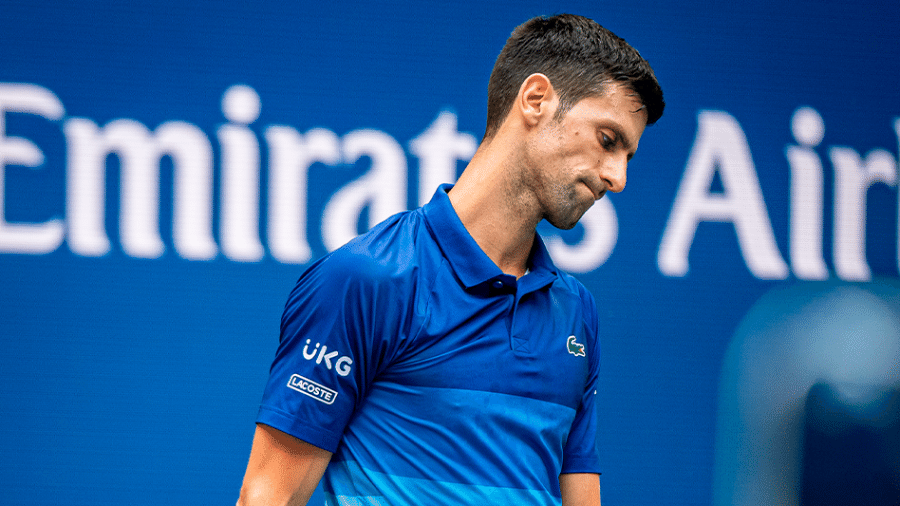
(415, 491)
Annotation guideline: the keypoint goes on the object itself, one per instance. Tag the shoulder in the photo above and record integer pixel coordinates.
(586, 306)
(363, 288)
(582, 294)
(386, 252)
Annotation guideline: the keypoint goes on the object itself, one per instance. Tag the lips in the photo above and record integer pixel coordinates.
(598, 193)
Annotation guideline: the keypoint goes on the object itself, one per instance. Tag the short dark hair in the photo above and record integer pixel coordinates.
(580, 58)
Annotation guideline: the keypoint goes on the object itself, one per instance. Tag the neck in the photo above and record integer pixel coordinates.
(499, 214)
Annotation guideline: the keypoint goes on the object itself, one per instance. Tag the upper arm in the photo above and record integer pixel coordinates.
(334, 339)
(283, 470)
(580, 489)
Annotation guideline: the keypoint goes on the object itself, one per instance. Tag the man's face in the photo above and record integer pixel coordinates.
(578, 158)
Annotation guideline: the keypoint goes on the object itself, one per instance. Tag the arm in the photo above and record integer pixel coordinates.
(283, 470)
(580, 489)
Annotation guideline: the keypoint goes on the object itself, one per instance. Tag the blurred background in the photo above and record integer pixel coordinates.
(168, 169)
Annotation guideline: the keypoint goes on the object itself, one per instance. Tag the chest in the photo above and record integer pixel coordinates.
(531, 344)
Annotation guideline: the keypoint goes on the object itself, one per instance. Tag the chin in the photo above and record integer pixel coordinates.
(567, 212)
(567, 222)
(565, 226)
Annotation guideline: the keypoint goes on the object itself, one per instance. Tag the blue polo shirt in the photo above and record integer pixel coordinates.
(434, 377)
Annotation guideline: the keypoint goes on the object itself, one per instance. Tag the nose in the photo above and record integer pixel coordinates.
(615, 174)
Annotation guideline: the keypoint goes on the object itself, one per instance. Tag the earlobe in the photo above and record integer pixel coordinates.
(535, 99)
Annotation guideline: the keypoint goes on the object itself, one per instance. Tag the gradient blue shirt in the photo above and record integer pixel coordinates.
(434, 377)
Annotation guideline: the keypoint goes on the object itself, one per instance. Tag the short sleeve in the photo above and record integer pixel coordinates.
(580, 453)
(330, 348)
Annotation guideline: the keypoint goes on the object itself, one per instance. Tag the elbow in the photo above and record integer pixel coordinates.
(244, 497)
(264, 492)
(254, 493)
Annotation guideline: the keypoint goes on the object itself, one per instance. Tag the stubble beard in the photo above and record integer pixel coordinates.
(565, 208)
(562, 204)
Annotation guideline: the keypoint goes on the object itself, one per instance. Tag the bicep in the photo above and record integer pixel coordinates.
(580, 489)
(282, 469)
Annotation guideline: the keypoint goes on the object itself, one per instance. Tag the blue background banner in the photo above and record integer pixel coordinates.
(167, 170)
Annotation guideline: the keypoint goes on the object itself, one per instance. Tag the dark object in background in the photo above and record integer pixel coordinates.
(851, 453)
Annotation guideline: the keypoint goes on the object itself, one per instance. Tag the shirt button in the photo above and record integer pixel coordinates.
(498, 284)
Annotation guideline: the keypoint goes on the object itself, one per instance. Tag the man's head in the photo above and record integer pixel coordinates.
(581, 59)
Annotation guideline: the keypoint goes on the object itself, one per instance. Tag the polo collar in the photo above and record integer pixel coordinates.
(472, 265)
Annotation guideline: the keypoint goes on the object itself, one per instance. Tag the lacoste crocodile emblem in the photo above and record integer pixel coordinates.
(575, 348)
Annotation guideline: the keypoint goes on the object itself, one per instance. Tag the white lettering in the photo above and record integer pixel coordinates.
(290, 156)
(191, 153)
(343, 365)
(721, 144)
(382, 188)
(438, 148)
(326, 357)
(240, 176)
(139, 153)
(807, 184)
(29, 238)
(852, 179)
(312, 389)
(720, 147)
(306, 354)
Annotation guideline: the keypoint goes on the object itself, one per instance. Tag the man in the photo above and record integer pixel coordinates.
(441, 358)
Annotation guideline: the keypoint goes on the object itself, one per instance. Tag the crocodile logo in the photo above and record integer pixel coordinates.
(574, 347)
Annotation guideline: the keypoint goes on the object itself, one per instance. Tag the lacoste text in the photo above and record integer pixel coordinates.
(312, 389)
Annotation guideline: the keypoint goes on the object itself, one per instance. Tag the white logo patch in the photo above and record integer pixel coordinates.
(311, 388)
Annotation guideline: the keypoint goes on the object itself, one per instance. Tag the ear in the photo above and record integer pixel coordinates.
(536, 99)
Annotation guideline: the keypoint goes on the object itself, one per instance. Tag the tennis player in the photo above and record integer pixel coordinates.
(441, 358)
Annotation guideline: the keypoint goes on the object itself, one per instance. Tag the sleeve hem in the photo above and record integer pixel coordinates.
(321, 438)
(580, 465)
